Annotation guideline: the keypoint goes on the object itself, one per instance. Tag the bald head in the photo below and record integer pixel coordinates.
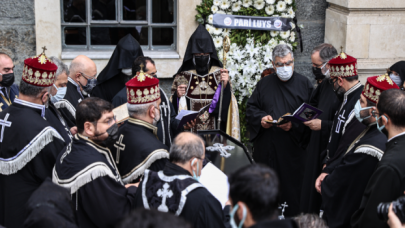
(81, 69)
(185, 147)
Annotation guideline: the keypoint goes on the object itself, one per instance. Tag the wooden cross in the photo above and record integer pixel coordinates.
(44, 49)
(120, 146)
(165, 193)
(4, 123)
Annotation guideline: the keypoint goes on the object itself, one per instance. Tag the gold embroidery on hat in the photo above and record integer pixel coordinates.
(146, 92)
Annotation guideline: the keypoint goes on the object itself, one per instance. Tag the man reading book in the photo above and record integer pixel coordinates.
(280, 146)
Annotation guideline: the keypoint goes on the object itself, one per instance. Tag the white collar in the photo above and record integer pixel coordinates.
(31, 105)
(77, 86)
(403, 133)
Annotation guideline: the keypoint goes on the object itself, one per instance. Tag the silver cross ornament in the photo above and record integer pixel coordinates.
(165, 193)
(221, 149)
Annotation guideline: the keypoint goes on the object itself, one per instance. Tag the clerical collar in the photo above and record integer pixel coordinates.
(143, 123)
(77, 86)
(31, 105)
(403, 133)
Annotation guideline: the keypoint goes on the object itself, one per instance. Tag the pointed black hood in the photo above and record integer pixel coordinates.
(127, 50)
(200, 42)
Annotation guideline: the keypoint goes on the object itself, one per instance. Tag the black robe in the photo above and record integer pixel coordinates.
(88, 171)
(111, 80)
(167, 124)
(287, 223)
(28, 151)
(8, 99)
(55, 119)
(385, 185)
(138, 149)
(326, 100)
(343, 188)
(201, 209)
(67, 106)
(282, 151)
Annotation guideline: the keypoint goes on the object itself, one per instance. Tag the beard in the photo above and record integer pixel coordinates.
(156, 119)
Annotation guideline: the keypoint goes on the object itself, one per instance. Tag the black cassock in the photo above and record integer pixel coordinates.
(28, 150)
(326, 100)
(88, 171)
(282, 151)
(56, 120)
(138, 149)
(343, 188)
(111, 80)
(67, 105)
(167, 125)
(385, 185)
(200, 208)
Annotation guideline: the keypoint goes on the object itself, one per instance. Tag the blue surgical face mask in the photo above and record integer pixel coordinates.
(396, 79)
(380, 128)
(233, 224)
(60, 94)
(358, 109)
(284, 73)
(197, 178)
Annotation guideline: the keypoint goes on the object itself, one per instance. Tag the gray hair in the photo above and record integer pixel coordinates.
(31, 90)
(75, 67)
(326, 52)
(185, 148)
(62, 67)
(310, 221)
(138, 110)
(281, 51)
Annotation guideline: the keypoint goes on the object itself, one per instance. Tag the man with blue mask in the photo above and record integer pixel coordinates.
(254, 192)
(81, 80)
(388, 180)
(8, 90)
(282, 147)
(342, 188)
(177, 190)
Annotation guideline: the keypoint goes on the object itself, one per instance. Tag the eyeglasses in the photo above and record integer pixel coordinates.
(332, 80)
(320, 65)
(289, 63)
(88, 77)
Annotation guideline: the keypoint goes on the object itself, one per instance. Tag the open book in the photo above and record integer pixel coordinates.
(186, 116)
(304, 113)
(121, 113)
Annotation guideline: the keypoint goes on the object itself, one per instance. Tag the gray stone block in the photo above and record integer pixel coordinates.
(311, 10)
(17, 12)
(166, 85)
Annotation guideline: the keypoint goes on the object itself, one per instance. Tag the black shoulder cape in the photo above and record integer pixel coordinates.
(138, 149)
(110, 80)
(199, 42)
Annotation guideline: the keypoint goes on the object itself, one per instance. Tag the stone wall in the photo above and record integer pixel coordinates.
(17, 31)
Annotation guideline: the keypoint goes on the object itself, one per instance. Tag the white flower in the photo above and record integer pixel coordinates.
(281, 6)
(225, 4)
(238, 55)
(236, 6)
(226, 32)
(210, 19)
(271, 2)
(217, 2)
(290, 46)
(217, 31)
(250, 48)
(289, 2)
(285, 34)
(259, 4)
(209, 28)
(269, 10)
(267, 55)
(273, 42)
(233, 69)
(218, 42)
(292, 37)
(281, 42)
(274, 33)
(291, 12)
(292, 26)
(220, 54)
(214, 9)
(246, 3)
(220, 12)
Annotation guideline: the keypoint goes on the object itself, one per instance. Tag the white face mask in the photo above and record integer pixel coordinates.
(396, 79)
(60, 94)
(127, 71)
(284, 73)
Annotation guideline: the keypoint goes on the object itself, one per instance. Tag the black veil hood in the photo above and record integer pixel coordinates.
(200, 42)
(111, 80)
(399, 67)
(127, 50)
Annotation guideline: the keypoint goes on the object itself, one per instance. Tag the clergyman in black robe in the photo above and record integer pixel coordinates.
(118, 70)
(56, 120)
(281, 150)
(28, 150)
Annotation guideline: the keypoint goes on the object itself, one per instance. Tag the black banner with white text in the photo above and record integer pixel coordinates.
(251, 22)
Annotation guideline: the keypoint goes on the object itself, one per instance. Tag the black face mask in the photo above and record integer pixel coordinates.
(112, 136)
(8, 80)
(318, 73)
(201, 64)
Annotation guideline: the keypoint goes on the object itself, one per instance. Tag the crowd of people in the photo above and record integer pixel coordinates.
(67, 161)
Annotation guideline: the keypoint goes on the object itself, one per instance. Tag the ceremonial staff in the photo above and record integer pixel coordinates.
(226, 45)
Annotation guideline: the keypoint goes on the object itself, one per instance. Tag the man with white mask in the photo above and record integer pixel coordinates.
(280, 146)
